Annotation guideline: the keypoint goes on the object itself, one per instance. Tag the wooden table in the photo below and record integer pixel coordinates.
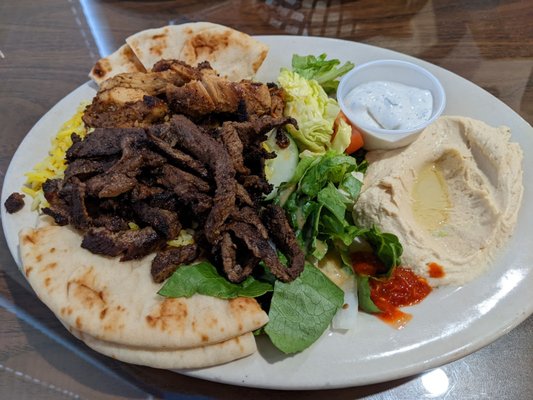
(46, 50)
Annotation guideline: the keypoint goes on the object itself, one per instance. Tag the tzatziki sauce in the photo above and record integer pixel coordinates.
(389, 105)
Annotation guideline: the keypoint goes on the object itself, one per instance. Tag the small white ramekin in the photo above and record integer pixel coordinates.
(395, 71)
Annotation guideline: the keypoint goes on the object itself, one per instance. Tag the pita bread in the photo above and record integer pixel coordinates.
(152, 45)
(122, 60)
(118, 302)
(198, 357)
(233, 54)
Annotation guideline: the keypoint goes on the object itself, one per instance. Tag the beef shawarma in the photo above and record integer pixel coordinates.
(102, 201)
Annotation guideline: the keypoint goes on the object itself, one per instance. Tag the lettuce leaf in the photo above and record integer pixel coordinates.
(307, 88)
(325, 72)
(343, 137)
(332, 199)
(315, 112)
(322, 191)
(332, 167)
(301, 311)
(363, 295)
(203, 278)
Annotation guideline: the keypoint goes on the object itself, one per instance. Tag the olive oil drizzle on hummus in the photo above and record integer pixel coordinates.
(430, 200)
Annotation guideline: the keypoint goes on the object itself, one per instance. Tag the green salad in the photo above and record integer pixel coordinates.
(318, 188)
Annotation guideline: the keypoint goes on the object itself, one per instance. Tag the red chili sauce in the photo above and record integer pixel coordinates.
(403, 288)
(435, 270)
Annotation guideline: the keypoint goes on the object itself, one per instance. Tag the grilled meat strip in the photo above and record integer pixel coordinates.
(83, 168)
(213, 154)
(277, 100)
(235, 270)
(213, 94)
(260, 248)
(283, 237)
(233, 144)
(113, 113)
(177, 155)
(136, 181)
(58, 208)
(132, 99)
(167, 261)
(131, 244)
(141, 99)
(102, 142)
(165, 222)
(250, 135)
(188, 188)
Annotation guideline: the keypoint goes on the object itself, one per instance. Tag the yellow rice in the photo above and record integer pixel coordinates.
(54, 165)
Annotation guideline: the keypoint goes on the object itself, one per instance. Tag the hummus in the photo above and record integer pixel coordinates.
(452, 197)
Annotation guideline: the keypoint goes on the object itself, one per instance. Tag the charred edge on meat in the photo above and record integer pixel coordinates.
(165, 176)
(166, 262)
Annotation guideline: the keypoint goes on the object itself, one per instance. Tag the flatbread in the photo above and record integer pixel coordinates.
(122, 60)
(233, 54)
(152, 45)
(118, 302)
(198, 357)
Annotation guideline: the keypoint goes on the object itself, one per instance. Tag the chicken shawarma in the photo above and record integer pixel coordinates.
(135, 99)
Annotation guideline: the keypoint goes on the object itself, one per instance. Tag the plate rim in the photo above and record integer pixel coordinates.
(413, 368)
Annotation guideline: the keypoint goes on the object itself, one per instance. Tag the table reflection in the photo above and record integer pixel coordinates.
(435, 382)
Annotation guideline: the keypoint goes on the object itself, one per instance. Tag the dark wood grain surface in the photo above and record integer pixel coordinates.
(46, 51)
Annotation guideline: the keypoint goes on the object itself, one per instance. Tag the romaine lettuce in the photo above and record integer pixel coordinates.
(315, 112)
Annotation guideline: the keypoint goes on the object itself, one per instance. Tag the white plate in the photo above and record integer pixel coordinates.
(451, 323)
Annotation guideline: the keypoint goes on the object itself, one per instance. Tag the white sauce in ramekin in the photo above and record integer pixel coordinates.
(389, 105)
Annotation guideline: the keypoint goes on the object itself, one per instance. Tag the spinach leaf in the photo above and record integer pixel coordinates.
(301, 311)
(363, 295)
(386, 246)
(203, 278)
